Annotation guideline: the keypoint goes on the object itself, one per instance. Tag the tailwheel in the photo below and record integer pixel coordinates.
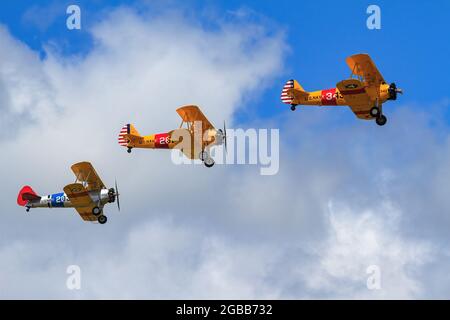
(293, 107)
(102, 219)
(209, 162)
(381, 120)
(96, 211)
(129, 150)
(374, 112)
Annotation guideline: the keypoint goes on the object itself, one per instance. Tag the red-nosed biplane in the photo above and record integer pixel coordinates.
(88, 195)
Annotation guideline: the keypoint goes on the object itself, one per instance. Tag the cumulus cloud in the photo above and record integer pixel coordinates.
(348, 194)
(359, 240)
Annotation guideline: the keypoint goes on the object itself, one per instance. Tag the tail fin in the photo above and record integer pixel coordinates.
(127, 129)
(26, 194)
(290, 84)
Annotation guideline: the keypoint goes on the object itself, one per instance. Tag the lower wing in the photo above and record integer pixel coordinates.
(81, 200)
(86, 213)
(356, 97)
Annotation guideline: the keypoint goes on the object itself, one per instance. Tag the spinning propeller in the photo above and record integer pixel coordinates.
(114, 194)
(117, 195)
(224, 135)
(393, 90)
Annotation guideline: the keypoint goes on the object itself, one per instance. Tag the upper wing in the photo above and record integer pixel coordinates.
(363, 66)
(355, 95)
(192, 114)
(84, 171)
(80, 199)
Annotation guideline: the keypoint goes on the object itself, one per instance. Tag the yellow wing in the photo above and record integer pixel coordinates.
(187, 144)
(86, 214)
(84, 171)
(355, 95)
(192, 152)
(80, 199)
(363, 66)
(192, 114)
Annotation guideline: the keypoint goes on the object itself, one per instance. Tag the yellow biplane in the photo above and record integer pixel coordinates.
(364, 92)
(194, 139)
(88, 195)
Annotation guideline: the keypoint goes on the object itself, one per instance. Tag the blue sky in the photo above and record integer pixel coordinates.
(411, 49)
(348, 194)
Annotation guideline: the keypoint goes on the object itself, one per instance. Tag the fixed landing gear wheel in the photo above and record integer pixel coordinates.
(374, 112)
(27, 210)
(381, 120)
(102, 219)
(129, 150)
(293, 107)
(209, 162)
(96, 211)
(203, 155)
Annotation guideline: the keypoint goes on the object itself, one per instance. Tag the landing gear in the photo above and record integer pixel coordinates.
(206, 158)
(96, 211)
(27, 209)
(203, 155)
(293, 107)
(209, 162)
(381, 120)
(377, 113)
(102, 219)
(129, 150)
(374, 112)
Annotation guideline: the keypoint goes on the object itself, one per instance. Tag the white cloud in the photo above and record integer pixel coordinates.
(189, 232)
(358, 240)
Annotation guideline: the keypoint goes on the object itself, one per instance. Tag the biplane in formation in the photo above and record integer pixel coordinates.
(87, 195)
(364, 92)
(195, 136)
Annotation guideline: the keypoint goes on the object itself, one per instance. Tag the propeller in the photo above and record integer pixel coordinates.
(117, 195)
(393, 90)
(225, 135)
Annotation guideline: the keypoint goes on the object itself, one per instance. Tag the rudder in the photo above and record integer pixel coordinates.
(26, 194)
(127, 129)
(290, 84)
